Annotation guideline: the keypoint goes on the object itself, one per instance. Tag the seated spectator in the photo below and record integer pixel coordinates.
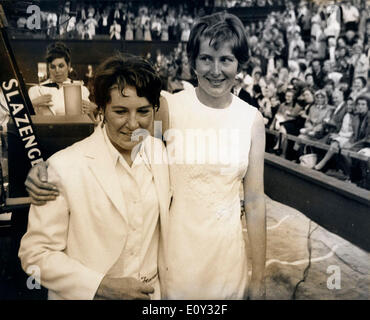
(333, 125)
(314, 125)
(358, 87)
(174, 82)
(355, 169)
(264, 104)
(329, 86)
(342, 138)
(310, 82)
(285, 120)
(344, 85)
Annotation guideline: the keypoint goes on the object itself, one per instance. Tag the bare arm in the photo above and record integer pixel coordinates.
(255, 209)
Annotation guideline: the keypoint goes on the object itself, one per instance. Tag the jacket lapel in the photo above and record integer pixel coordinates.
(99, 162)
(154, 150)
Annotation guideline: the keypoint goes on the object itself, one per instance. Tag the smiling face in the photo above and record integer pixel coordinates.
(58, 70)
(320, 99)
(358, 84)
(338, 97)
(361, 106)
(124, 115)
(216, 70)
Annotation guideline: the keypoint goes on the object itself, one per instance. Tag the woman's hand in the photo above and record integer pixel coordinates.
(123, 289)
(89, 107)
(37, 186)
(42, 103)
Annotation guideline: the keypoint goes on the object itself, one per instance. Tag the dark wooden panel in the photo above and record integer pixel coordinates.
(338, 206)
(83, 52)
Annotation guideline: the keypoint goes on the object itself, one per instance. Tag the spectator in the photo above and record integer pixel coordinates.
(63, 20)
(156, 28)
(359, 61)
(285, 120)
(333, 20)
(115, 31)
(314, 125)
(342, 138)
(90, 25)
(317, 73)
(329, 89)
(334, 124)
(358, 87)
(52, 20)
(357, 171)
(164, 33)
(351, 16)
(129, 34)
(139, 35)
(104, 22)
(147, 31)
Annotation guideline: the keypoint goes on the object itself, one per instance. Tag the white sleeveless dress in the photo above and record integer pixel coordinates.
(208, 152)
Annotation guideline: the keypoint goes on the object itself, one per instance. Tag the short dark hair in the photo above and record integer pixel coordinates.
(126, 70)
(363, 80)
(58, 50)
(363, 97)
(219, 27)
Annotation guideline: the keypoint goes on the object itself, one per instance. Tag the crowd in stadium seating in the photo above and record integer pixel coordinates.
(156, 20)
(308, 72)
(308, 75)
(151, 20)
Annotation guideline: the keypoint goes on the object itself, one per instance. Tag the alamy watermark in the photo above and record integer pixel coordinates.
(34, 280)
(334, 280)
(34, 20)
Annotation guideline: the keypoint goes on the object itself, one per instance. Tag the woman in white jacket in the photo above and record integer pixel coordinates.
(100, 238)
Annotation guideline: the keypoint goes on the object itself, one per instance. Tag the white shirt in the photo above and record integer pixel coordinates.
(350, 14)
(139, 255)
(57, 95)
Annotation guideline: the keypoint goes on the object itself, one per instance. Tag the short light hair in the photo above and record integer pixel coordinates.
(218, 28)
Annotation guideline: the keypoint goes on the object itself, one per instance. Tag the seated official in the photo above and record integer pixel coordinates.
(48, 97)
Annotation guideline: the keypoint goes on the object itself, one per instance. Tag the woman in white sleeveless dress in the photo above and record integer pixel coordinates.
(215, 144)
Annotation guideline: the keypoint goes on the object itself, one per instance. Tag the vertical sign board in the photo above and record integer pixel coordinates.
(18, 103)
